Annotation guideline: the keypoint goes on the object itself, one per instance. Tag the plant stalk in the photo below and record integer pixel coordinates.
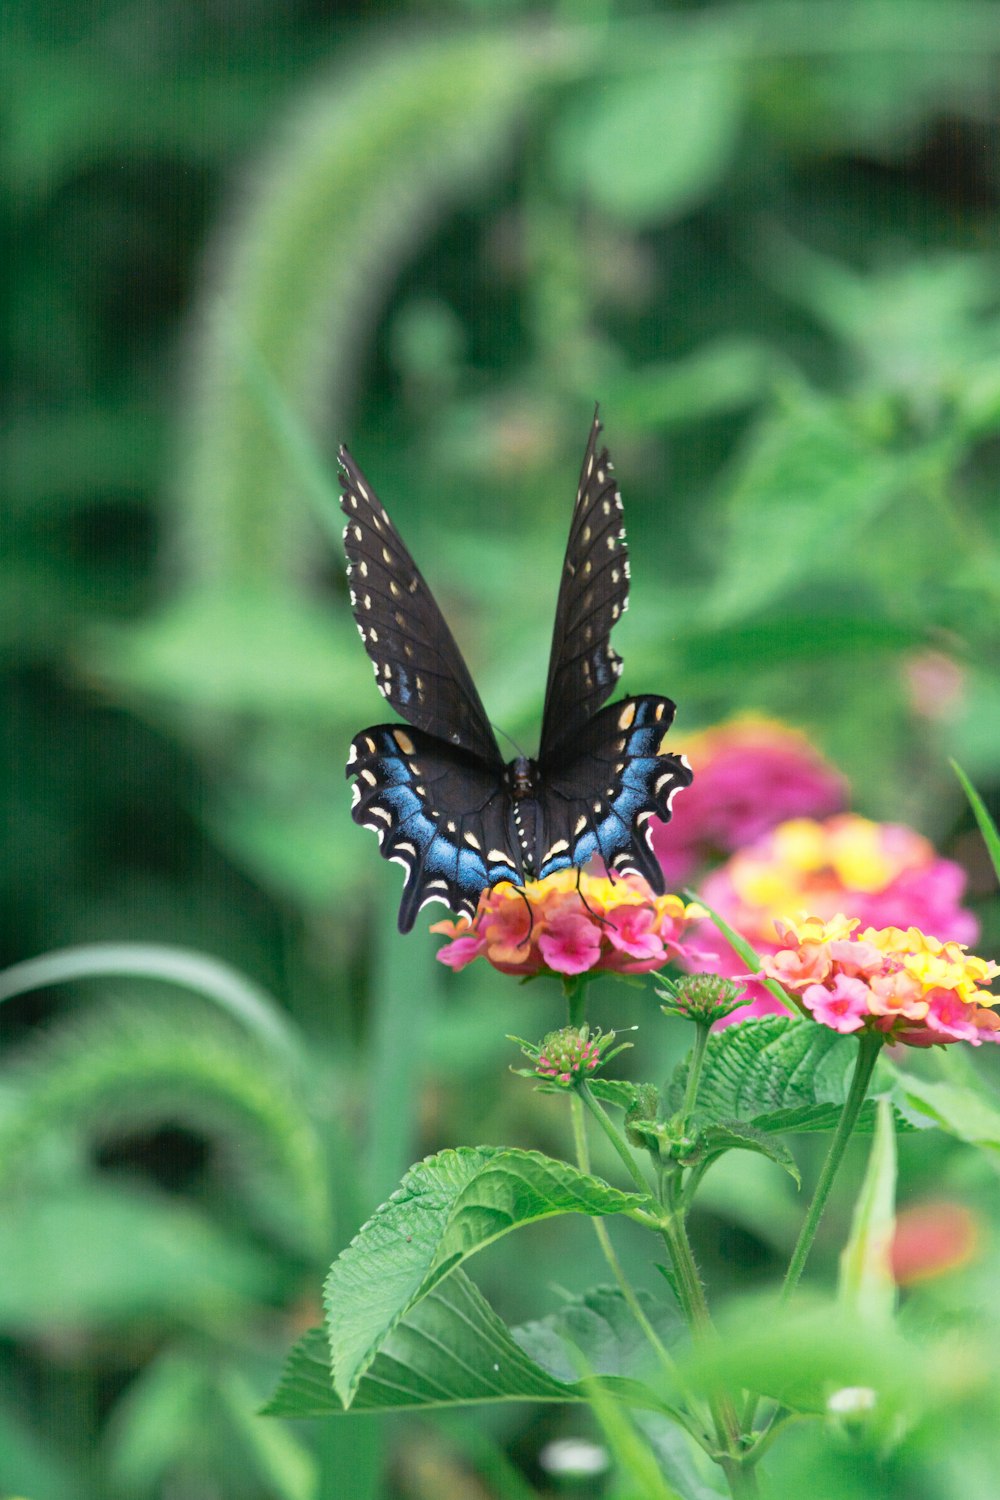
(608, 1250)
(694, 1069)
(870, 1046)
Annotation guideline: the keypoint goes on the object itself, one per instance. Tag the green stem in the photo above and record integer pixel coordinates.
(575, 990)
(869, 1048)
(691, 1293)
(694, 1069)
(608, 1250)
(631, 1165)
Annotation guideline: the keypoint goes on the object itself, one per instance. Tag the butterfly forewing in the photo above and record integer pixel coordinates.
(418, 667)
(593, 593)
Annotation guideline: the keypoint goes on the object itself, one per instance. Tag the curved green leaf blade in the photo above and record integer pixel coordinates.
(446, 1208)
(987, 827)
(738, 1135)
(866, 1286)
(451, 1349)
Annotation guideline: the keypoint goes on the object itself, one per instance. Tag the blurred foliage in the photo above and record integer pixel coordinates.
(765, 235)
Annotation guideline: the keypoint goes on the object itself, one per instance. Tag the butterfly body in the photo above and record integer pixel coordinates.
(437, 791)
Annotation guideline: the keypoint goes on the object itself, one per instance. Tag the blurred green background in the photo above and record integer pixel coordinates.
(765, 236)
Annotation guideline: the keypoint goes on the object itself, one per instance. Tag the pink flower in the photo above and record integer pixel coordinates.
(750, 774)
(842, 1007)
(923, 993)
(931, 1239)
(571, 923)
(571, 943)
(884, 874)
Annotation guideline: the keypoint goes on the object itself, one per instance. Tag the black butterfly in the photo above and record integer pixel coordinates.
(439, 796)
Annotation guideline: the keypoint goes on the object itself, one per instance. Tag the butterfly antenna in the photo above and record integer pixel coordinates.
(510, 737)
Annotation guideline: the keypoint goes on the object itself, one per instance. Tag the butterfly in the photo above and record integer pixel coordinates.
(438, 793)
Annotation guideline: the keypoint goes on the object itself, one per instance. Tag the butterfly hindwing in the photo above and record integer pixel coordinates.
(438, 811)
(593, 593)
(418, 666)
(600, 795)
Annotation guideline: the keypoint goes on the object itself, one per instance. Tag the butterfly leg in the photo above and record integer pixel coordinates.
(586, 904)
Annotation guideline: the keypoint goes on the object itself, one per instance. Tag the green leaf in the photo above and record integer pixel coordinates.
(798, 1354)
(987, 827)
(866, 1286)
(624, 1094)
(658, 141)
(175, 966)
(737, 1135)
(451, 1349)
(806, 488)
(778, 1073)
(686, 1465)
(961, 1112)
(94, 1254)
(446, 1208)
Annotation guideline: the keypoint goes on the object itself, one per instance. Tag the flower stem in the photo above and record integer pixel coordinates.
(631, 1165)
(691, 1294)
(870, 1046)
(575, 990)
(694, 1069)
(604, 1239)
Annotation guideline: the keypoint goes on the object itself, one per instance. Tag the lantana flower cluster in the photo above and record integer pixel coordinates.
(751, 773)
(571, 923)
(884, 874)
(917, 989)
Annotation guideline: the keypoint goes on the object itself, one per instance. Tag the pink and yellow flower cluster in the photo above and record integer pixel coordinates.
(571, 923)
(917, 989)
(884, 874)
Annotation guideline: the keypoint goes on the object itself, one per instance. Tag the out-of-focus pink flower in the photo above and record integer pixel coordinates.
(920, 991)
(571, 923)
(884, 874)
(932, 1238)
(750, 774)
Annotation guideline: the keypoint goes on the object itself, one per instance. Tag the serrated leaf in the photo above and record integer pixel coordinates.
(739, 1135)
(446, 1208)
(777, 1073)
(452, 1349)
